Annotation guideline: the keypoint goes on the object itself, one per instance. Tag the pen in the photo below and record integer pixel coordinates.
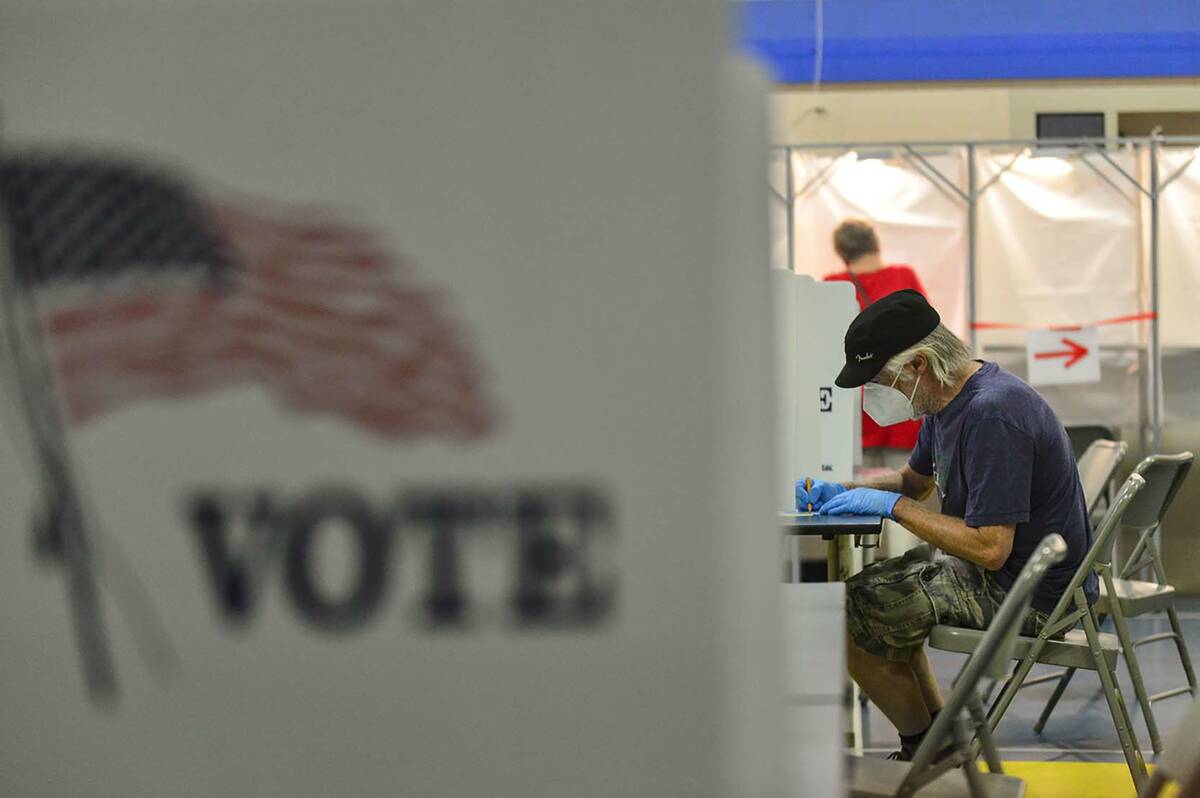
(808, 487)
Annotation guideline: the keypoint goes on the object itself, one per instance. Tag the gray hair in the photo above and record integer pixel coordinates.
(948, 357)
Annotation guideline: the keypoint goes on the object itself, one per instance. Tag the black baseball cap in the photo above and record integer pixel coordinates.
(882, 331)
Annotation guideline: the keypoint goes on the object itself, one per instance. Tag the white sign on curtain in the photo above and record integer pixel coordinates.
(1063, 357)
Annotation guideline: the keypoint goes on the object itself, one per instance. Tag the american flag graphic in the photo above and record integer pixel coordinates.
(118, 283)
(151, 290)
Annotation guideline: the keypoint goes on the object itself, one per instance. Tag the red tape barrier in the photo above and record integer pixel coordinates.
(998, 325)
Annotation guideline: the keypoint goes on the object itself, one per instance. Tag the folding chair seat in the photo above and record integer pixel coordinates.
(870, 777)
(1098, 652)
(1137, 598)
(1071, 652)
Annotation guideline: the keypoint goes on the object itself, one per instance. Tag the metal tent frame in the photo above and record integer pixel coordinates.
(1150, 185)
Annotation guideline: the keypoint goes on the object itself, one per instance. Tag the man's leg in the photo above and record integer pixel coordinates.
(892, 686)
(923, 670)
(888, 616)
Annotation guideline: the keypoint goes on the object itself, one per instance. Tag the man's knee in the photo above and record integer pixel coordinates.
(889, 621)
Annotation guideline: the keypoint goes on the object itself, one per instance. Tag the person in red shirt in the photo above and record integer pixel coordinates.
(857, 244)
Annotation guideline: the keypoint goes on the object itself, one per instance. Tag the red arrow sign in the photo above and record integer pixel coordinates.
(1074, 353)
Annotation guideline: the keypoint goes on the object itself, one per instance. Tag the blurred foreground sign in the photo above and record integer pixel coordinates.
(444, 471)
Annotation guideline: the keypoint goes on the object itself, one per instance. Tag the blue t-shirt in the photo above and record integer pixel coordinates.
(999, 455)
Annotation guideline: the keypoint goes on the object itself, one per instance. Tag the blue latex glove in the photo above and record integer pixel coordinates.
(817, 495)
(862, 501)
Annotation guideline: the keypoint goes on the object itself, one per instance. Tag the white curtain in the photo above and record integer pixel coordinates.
(1057, 243)
(1060, 240)
(921, 223)
(1179, 248)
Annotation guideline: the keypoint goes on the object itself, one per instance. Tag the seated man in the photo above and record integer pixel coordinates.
(1002, 465)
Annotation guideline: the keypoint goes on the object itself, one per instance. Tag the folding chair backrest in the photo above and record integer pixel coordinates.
(1164, 474)
(1102, 541)
(1082, 435)
(1097, 466)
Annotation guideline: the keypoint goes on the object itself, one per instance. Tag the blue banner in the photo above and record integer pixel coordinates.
(934, 40)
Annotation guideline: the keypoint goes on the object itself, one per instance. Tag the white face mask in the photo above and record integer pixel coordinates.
(886, 405)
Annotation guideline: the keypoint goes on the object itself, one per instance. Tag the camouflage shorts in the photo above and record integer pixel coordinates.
(892, 605)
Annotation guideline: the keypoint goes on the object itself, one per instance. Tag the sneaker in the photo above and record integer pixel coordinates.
(906, 754)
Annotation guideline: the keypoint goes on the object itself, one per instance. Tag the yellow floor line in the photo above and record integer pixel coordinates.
(1076, 779)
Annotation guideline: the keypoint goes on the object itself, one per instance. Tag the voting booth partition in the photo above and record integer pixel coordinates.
(817, 418)
(510, 532)
(817, 421)
(1016, 239)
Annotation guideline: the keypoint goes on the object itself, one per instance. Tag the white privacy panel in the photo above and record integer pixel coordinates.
(817, 419)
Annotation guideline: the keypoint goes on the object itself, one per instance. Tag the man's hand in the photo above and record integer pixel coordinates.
(816, 494)
(862, 501)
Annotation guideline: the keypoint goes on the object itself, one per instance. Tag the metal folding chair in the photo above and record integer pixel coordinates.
(1086, 649)
(963, 719)
(1164, 474)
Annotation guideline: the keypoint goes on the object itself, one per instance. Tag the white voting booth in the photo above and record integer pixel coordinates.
(818, 421)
